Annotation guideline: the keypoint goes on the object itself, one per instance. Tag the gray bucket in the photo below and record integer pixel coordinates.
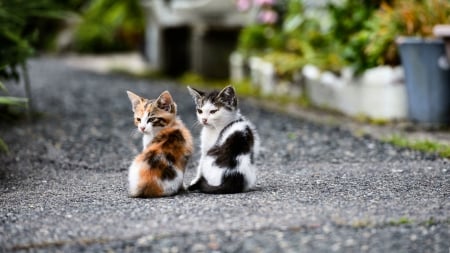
(427, 79)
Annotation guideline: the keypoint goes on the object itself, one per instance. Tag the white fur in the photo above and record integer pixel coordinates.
(133, 178)
(146, 139)
(212, 173)
(169, 187)
(149, 131)
(246, 168)
(219, 119)
(172, 186)
(209, 137)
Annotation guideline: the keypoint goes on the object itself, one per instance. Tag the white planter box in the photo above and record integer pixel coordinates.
(378, 93)
(237, 67)
(262, 75)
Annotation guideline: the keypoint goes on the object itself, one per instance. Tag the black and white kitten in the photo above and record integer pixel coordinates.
(229, 144)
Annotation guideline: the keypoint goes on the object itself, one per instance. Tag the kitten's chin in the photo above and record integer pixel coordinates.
(207, 125)
(146, 132)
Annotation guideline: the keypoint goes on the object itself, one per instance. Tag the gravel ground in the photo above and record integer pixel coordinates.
(320, 189)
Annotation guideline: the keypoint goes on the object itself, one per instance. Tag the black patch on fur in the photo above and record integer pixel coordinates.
(196, 186)
(225, 98)
(159, 122)
(238, 143)
(170, 139)
(173, 140)
(218, 101)
(232, 183)
(170, 158)
(168, 173)
(228, 126)
(176, 136)
(163, 163)
(155, 161)
(158, 139)
(228, 98)
(211, 96)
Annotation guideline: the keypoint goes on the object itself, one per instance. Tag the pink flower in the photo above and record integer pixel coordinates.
(264, 2)
(268, 16)
(243, 5)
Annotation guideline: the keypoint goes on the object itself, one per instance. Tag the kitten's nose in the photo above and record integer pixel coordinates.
(204, 121)
(142, 129)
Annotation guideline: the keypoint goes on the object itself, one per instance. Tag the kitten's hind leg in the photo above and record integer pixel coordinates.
(234, 183)
(196, 184)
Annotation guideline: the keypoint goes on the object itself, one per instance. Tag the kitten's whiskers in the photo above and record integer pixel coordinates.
(196, 124)
(134, 133)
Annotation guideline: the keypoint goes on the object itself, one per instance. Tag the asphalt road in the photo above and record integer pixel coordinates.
(320, 189)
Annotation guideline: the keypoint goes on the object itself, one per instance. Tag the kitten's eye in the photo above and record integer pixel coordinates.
(213, 111)
(199, 111)
(149, 120)
(138, 119)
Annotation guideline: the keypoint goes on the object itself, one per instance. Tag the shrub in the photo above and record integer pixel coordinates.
(110, 25)
(375, 44)
(18, 32)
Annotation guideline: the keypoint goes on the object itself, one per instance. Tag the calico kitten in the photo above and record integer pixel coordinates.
(159, 169)
(229, 144)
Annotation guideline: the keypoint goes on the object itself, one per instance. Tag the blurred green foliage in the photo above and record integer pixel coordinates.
(253, 39)
(348, 24)
(24, 26)
(375, 44)
(110, 25)
(421, 145)
(353, 33)
(27, 26)
(20, 30)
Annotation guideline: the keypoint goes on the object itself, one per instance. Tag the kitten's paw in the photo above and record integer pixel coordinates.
(134, 192)
(133, 195)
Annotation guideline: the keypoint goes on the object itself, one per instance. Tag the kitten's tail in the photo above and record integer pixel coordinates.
(234, 183)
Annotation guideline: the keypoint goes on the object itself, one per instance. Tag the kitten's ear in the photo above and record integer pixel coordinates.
(196, 94)
(228, 96)
(135, 99)
(165, 102)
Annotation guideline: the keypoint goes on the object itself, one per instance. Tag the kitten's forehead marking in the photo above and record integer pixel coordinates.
(208, 106)
(148, 104)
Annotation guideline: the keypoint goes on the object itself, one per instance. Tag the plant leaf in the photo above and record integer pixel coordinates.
(3, 87)
(16, 101)
(3, 146)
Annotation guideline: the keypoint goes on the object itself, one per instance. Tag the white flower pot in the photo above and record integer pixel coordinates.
(237, 67)
(378, 93)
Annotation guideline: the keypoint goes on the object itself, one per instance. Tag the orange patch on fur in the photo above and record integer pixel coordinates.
(169, 150)
(149, 183)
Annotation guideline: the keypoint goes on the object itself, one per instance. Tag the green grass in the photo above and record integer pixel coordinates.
(244, 88)
(146, 74)
(373, 121)
(400, 221)
(428, 146)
